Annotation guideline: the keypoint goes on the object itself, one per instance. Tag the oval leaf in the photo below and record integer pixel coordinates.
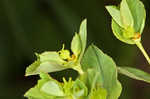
(95, 58)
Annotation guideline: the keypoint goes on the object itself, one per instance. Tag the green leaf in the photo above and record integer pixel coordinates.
(134, 73)
(32, 67)
(119, 33)
(115, 13)
(138, 13)
(76, 45)
(52, 88)
(36, 92)
(96, 59)
(48, 85)
(47, 62)
(83, 36)
(46, 67)
(126, 16)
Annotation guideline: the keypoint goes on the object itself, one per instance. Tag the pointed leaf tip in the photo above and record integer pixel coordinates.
(115, 13)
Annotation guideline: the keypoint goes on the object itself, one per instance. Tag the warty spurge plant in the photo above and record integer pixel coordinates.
(52, 61)
(98, 72)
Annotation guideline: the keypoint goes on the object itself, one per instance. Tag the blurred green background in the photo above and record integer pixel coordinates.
(28, 26)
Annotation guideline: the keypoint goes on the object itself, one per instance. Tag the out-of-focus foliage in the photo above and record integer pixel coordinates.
(28, 26)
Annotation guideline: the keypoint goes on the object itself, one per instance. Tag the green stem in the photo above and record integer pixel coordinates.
(79, 69)
(139, 45)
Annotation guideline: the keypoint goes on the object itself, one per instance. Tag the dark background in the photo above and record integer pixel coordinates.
(28, 26)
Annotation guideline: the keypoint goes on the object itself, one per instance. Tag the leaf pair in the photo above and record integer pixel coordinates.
(48, 88)
(128, 20)
(52, 61)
